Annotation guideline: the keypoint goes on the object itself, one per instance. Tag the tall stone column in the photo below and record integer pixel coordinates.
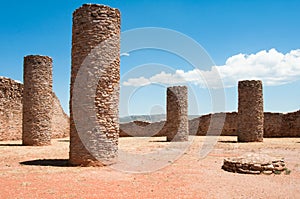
(94, 112)
(250, 111)
(177, 114)
(37, 101)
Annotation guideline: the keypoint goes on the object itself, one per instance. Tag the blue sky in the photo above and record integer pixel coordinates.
(229, 31)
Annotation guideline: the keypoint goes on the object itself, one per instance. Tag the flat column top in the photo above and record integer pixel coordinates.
(101, 6)
(37, 56)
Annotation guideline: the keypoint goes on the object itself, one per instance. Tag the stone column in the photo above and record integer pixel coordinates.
(250, 111)
(37, 101)
(177, 114)
(94, 127)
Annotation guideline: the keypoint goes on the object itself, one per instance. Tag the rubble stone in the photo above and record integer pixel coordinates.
(253, 164)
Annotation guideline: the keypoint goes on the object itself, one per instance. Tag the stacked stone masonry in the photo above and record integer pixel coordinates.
(37, 101)
(275, 125)
(250, 111)
(254, 164)
(95, 47)
(177, 114)
(139, 129)
(11, 112)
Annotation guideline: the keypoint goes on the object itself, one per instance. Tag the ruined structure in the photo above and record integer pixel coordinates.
(11, 112)
(177, 113)
(275, 125)
(94, 122)
(142, 129)
(11, 93)
(203, 123)
(254, 164)
(37, 101)
(250, 111)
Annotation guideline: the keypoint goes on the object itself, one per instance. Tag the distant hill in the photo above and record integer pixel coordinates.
(148, 118)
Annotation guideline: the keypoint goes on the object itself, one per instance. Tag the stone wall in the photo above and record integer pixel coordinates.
(60, 120)
(282, 125)
(139, 129)
(37, 101)
(204, 123)
(250, 111)
(275, 125)
(291, 124)
(198, 126)
(11, 94)
(95, 76)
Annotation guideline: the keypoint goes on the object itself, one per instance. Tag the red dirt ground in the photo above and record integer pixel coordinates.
(188, 177)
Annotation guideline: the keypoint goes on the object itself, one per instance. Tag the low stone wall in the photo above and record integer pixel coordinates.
(255, 164)
(11, 93)
(275, 125)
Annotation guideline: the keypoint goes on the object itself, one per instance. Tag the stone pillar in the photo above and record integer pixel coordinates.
(250, 111)
(95, 47)
(177, 114)
(37, 101)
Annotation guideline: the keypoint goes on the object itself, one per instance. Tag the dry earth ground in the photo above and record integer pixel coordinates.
(190, 176)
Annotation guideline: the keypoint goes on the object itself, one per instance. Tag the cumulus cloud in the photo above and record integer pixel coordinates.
(140, 81)
(272, 67)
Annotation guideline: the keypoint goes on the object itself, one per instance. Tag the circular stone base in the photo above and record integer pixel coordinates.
(254, 164)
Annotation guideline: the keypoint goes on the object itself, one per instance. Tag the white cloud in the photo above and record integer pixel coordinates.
(18, 81)
(141, 81)
(272, 67)
(125, 54)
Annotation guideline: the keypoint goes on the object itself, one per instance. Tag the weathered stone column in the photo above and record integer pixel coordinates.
(250, 111)
(94, 127)
(37, 101)
(177, 114)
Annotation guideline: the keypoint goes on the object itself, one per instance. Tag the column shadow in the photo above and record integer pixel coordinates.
(63, 140)
(158, 141)
(11, 145)
(48, 162)
(228, 141)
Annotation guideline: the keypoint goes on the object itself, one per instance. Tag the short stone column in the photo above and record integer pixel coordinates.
(177, 114)
(250, 111)
(94, 112)
(37, 101)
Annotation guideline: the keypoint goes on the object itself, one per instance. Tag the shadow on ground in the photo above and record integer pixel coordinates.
(47, 162)
(63, 140)
(11, 145)
(158, 141)
(228, 141)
